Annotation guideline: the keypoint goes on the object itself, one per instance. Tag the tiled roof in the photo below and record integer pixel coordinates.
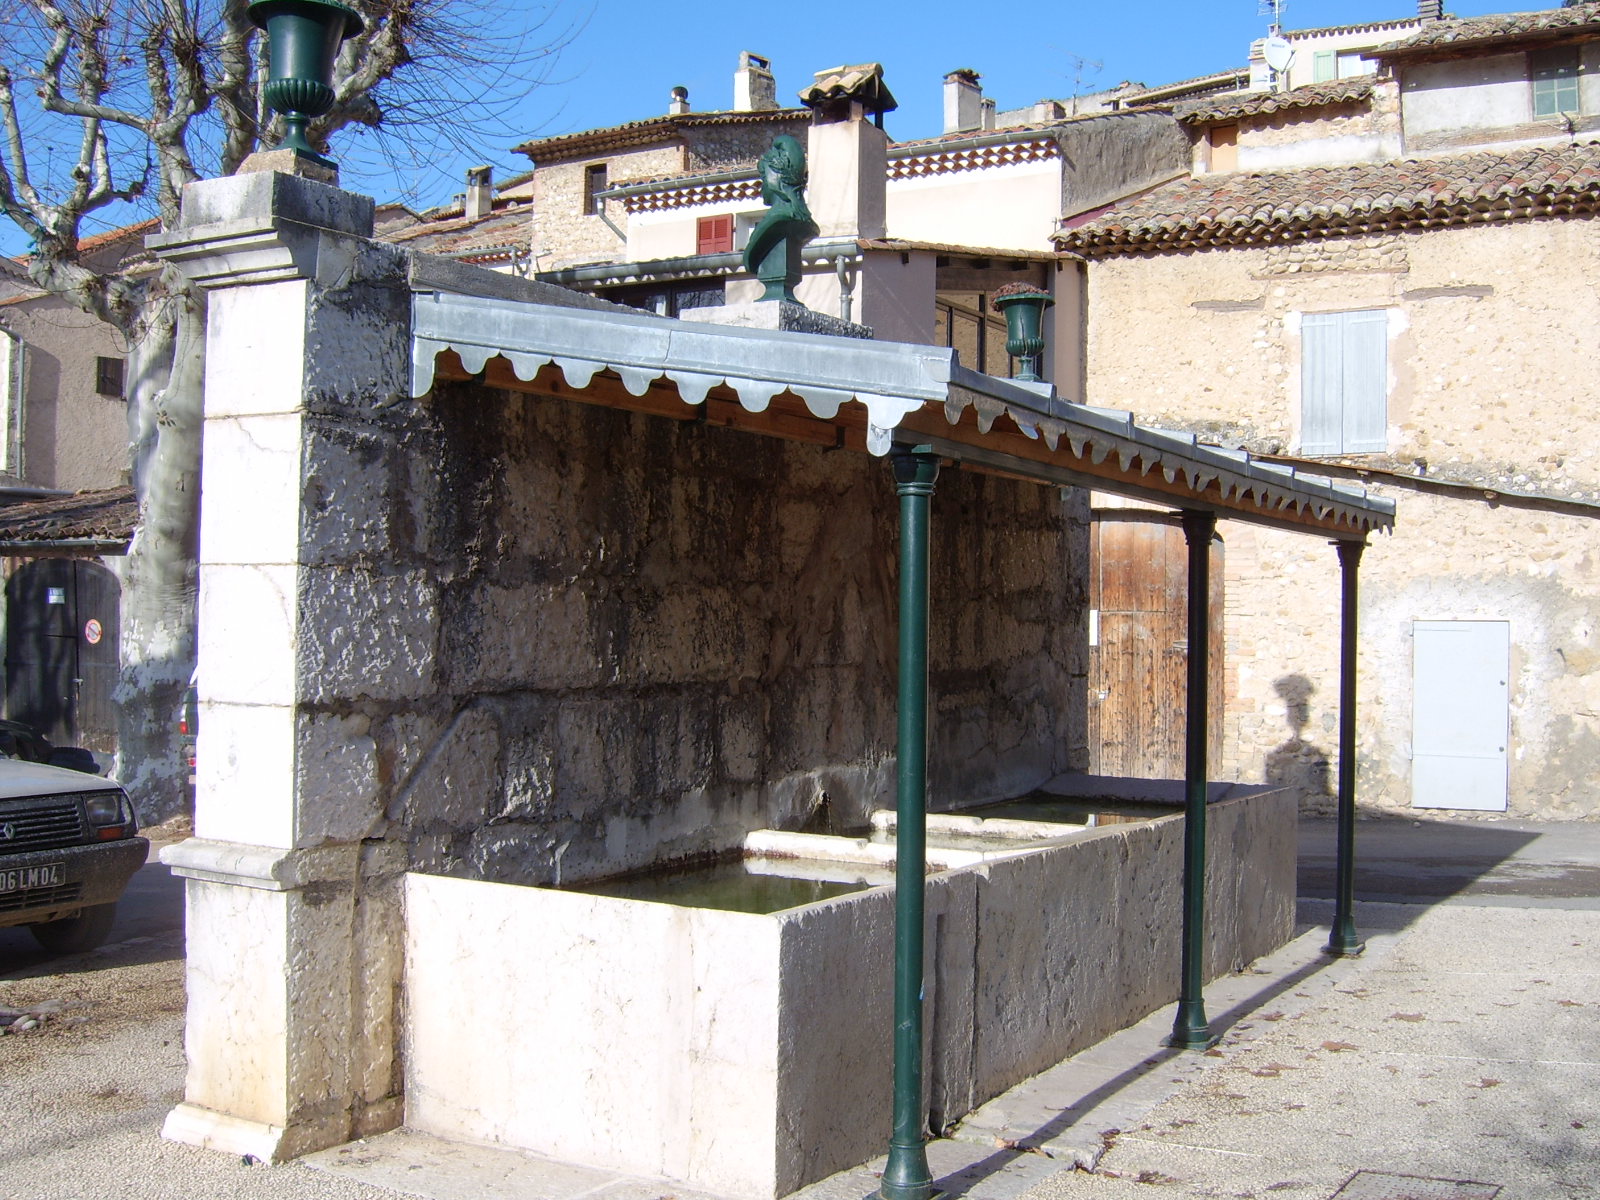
(1446, 35)
(862, 82)
(105, 516)
(645, 132)
(495, 234)
(1260, 104)
(112, 236)
(1256, 208)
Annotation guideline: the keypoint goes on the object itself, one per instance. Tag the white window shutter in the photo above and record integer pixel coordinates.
(1344, 382)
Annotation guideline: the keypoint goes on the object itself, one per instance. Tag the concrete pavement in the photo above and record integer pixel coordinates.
(1457, 1059)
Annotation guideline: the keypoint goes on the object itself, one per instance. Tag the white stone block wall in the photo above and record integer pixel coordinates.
(750, 1055)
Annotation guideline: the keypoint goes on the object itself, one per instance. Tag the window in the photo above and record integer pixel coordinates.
(1344, 382)
(108, 377)
(594, 182)
(1224, 148)
(1555, 81)
(714, 235)
(1324, 66)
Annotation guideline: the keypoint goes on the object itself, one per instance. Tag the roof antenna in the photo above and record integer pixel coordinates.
(1275, 48)
(1273, 9)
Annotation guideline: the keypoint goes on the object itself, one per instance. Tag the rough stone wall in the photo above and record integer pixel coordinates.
(1122, 154)
(1488, 387)
(711, 147)
(1489, 358)
(563, 234)
(617, 640)
(1450, 558)
(1293, 126)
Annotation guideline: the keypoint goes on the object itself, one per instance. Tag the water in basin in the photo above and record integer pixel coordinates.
(751, 885)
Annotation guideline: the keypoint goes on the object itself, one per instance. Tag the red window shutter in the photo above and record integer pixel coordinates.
(714, 235)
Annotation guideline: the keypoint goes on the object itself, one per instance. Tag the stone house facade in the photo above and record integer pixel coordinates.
(1416, 313)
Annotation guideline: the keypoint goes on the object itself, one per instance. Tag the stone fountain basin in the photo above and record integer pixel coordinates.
(749, 1054)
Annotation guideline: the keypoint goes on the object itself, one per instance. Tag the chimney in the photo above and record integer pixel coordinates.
(480, 192)
(679, 104)
(847, 150)
(1430, 10)
(754, 88)
(986, 113)
(963, 101)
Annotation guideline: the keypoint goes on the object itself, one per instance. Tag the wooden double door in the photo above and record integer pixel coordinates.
(1139, 647)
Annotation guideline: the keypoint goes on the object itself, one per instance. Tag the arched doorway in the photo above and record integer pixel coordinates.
(62, 627)
(1138, 645)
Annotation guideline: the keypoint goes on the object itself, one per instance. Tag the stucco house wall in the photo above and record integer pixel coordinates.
(71, 437)
(1488, 387)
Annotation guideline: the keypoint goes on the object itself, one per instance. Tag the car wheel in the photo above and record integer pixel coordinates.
(74, 935)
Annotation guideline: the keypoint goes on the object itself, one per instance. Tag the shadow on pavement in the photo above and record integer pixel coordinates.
(1401, 860)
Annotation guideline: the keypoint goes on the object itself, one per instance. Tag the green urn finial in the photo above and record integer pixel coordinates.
(1023, 306)
(303, 39)
(773, 252)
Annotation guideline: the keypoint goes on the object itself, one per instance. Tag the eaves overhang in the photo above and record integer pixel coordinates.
(868, 395)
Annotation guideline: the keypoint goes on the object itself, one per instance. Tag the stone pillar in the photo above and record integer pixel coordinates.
(294, 927)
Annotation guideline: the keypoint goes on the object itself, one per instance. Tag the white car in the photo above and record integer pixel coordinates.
(68, 846)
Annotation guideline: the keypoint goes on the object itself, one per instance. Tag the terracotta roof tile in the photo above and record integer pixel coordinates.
(1240, 208)
(1445, 35)
(104, 516)
(457, 235)
(1259, 104)
(645, 132)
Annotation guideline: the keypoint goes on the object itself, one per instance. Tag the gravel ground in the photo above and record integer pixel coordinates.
(86, 1091)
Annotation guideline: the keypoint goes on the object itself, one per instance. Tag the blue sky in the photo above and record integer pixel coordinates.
(625, 56)
(625, 61)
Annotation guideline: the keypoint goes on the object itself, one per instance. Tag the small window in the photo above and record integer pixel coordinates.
(1555, 81)
(1344, 382)
(594, 182)
(1324, 66)
(1353, 65)
(108, 377)
(714, 235)
(1224, 148)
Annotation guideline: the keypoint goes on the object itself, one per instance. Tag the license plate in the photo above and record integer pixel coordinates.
(23, 879)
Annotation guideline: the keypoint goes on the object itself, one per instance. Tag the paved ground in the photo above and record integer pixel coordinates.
(1464, 1046)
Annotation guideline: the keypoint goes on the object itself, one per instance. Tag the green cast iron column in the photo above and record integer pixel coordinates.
(1342, 939)
(1191, 1030)
(906, 1175)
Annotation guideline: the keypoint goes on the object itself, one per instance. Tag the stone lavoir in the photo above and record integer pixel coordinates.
(503, 586)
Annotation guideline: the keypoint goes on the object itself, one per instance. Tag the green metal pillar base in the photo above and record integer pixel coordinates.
(1191, 1031)
(906, 1175)
(1345, 946)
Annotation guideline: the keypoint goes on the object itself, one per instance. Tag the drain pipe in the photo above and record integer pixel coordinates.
(1190, 1029)
(906, 1175)
(1342, 939)
(841, 268)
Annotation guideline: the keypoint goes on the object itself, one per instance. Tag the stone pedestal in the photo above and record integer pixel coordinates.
(293, 895)
(775, 314)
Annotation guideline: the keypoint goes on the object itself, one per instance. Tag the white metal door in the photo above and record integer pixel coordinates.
(1460, 720)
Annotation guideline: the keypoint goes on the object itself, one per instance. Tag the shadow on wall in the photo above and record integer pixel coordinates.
(1299, 764)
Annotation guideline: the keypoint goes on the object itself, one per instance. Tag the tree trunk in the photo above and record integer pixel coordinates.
(158, 601)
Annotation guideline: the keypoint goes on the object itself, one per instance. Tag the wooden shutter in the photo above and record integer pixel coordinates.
(714, 235)
(1324, 66)
(1344, 379)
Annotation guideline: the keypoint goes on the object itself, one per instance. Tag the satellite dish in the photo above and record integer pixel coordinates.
(1278, 52)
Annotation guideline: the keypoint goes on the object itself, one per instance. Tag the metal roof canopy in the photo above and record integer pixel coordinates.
(799, 386)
